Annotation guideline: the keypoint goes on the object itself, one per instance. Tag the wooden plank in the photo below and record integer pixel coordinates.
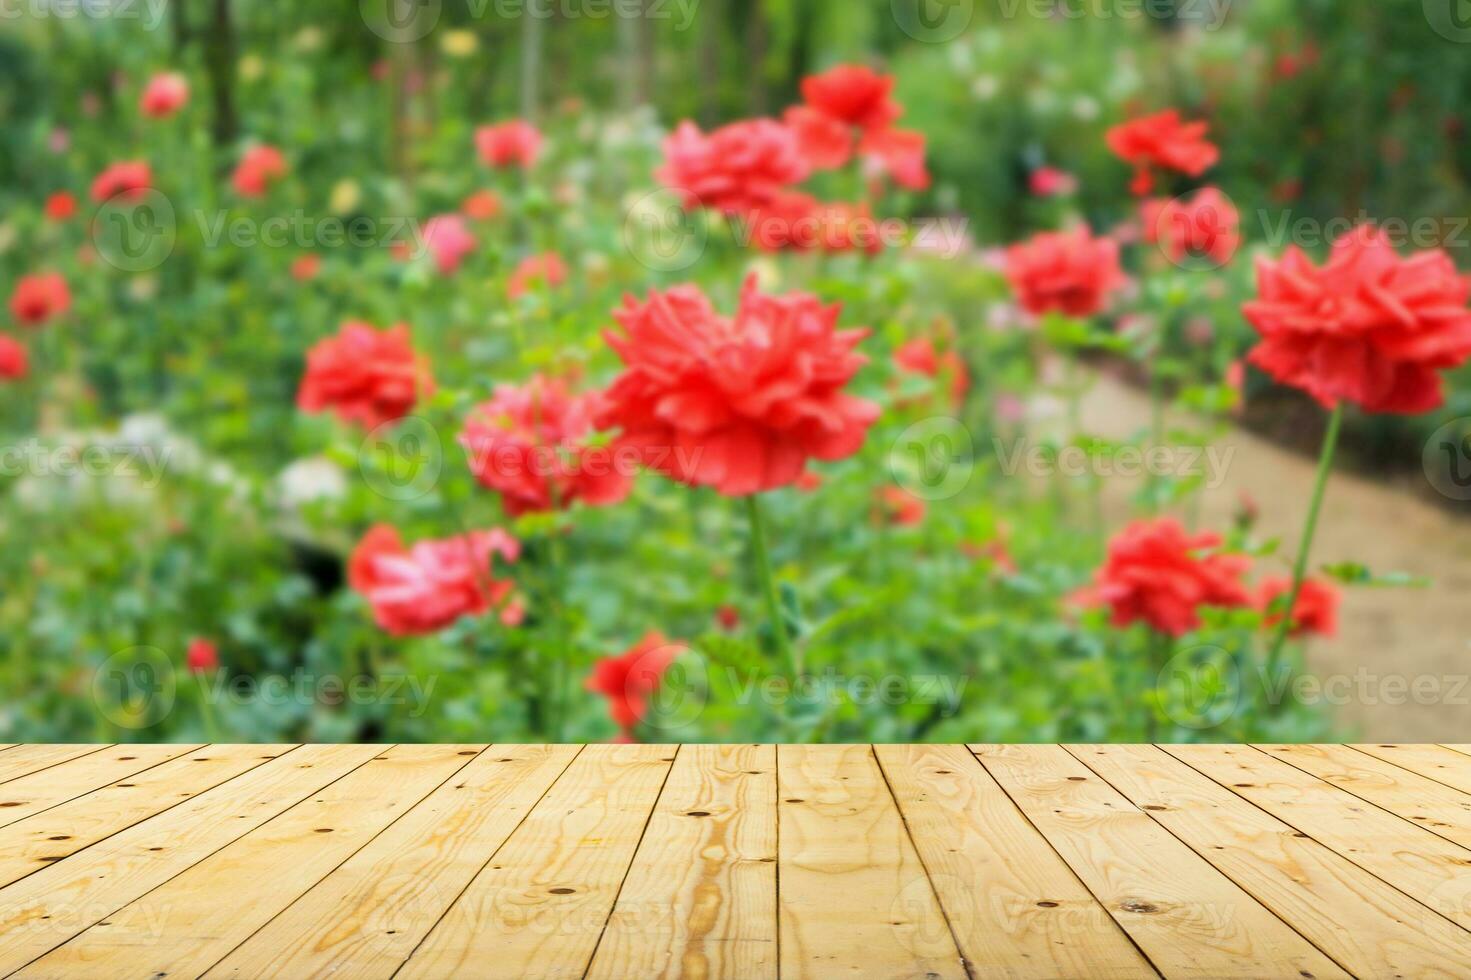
(854, 897)
(538, 908)
(700, 897)
(1463, 748)
(1015, 907)
(189, 923)
(39, 841)
(44, 910)
(1367, 927)
(1187, 917)
(1431, 761)
(1434, 806)
(364, 919)
(28, 795)
(22, 760)
(1426, 867)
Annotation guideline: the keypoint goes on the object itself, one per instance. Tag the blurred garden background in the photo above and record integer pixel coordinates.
(374, 370)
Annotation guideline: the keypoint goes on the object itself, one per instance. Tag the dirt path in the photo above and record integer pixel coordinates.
(1398, 670)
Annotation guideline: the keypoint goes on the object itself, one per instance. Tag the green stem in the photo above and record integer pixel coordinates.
(768, 586)
(1304, 548)
(212, 731)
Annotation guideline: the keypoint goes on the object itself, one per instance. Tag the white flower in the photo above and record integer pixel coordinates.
(310, 479)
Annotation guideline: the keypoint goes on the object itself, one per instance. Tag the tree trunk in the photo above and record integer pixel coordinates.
(758, 39)
(532, 36)
(220, 63)
(179, 21)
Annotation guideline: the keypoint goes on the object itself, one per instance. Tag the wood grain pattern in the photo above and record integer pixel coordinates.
(1429, 804)
(185, 925)
(742, 861)
(1367, 927)
(700, 898)
(44, 910)
(1428, 868)
(37, 842)
(21, 760)
(1187, 917)
(1015, 907)
(364, 919)
(538, 909)
(28, 795)
(1444, 765)
(854, 897)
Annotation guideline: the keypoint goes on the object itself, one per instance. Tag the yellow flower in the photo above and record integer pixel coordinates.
(251, 67)
(459, 43)
(346, 196)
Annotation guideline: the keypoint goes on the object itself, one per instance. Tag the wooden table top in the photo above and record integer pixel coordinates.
(741, 861)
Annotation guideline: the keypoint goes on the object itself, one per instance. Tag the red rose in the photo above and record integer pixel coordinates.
(15, 363)
(39, 298)
(827, 143)
(164, 95)
(364, 375)
(1316, 609)
(737, 403)
(899, 507)
(1067, 272)
(449, 241)
(305, 268)
(202, 655)
(429, 586)
(130, 180)
(900, 154)
(854, 94)
(735, 169)
(630, 679)
(509, 144)
(546, 270)
(481, 206)
(1158, 573)
(1051, 182)
(918, 356)
(530, 444)
(1368, 327)
(60, 206)
(259, 167)
(1162, 140)
(1206, 224)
